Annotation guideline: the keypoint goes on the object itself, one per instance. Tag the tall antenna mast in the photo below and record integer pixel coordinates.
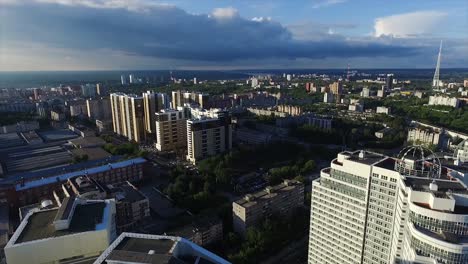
(436, 81)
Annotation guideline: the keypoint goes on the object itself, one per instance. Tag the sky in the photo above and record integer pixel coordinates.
(38, 35)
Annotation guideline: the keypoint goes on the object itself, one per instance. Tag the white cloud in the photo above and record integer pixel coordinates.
(412, 24)
(130, 5)
(261, 19)
(225, 13)
(323, 3)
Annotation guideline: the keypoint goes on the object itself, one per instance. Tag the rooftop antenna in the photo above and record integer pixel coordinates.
(436, 80)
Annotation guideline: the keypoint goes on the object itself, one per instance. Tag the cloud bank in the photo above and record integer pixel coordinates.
(143, 28)
(415, 24)
(110, 34)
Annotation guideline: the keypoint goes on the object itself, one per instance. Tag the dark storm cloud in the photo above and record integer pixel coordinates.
(169, 32)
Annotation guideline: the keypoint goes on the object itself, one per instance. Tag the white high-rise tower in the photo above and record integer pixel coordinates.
(367, 208)
(436, 83)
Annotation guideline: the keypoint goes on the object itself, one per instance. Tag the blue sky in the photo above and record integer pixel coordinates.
(230, 34)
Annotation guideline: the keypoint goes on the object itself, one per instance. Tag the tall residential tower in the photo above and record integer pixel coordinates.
(369, 208)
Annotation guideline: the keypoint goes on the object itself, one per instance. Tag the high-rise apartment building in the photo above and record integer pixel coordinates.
(179, 99)
(88, 90)
(128, 116)
(369, 208)
(171, 132)
(208, 135)
(389, 82)
(153, 103)
(99, 108)
(101, 89)
(336, 88)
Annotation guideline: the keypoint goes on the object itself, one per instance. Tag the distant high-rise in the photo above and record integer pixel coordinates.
(88, 90)
(123, 80)
(389, 82)
(132, 79)
(254, 82)
(101, 89)
(436, 83)
(336, 88)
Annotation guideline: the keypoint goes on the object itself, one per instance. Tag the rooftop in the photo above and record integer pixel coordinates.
(149, 249)
(444, 236)
(40, 224)
(66, 176)
(267, 193)
(59, 170)
(365, 157)
(125, 191)
(422, 184)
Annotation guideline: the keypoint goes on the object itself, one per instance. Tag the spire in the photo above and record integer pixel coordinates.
(436, 82)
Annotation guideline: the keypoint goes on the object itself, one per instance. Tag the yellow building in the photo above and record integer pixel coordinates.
(171, 130)
(128, 116)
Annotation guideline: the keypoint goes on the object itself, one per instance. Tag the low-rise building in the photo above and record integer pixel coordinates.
(425, 136)
(203, 231)
(103, 125)
(30, 189)
(383, 110)
(356, 107)
(461, 151)
(253, 208)
(444, 100)
(77, 230)
(132, 207)
(21, 126)
(384, 132)
(142, 249)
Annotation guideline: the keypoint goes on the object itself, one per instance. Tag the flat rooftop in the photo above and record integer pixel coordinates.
(129, 194)
(57, 134)
(422, 184)
(27, 176)
(266, 195)
(63, 177)
(137, 250)
(444, 236)
(368, 158)
(153, 249)
(40, 224)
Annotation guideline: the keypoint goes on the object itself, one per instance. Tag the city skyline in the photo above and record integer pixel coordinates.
(209, 35)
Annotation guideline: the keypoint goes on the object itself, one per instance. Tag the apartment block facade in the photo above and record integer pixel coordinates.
(253, 208)
(370, 208)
